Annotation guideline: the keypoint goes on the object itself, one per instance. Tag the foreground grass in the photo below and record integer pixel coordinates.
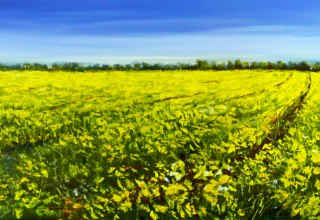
(167, 145)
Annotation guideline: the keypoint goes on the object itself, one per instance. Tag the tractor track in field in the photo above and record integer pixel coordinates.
(281, 124)
(73, 102)
(29, 89)
(258, 92)
(210, 81)
(176, 97)
(58, 106)
(55, 107)
(287, 79)
(173, 97)
(216, 81)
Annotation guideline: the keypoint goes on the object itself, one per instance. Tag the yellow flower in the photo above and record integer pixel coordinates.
(317, 184)
(224, 179)
(77, 206)
(315, 158)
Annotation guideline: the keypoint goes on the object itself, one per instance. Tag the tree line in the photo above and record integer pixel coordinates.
(198, 65)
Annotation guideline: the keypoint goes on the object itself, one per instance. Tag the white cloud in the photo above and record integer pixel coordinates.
(259, 43)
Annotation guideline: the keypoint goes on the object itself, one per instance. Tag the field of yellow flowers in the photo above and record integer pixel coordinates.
(159, 145)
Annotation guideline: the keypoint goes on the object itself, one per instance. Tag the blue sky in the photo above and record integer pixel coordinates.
(125, 31)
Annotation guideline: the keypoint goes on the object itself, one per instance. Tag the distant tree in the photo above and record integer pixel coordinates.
(178, 66)
(118, 67)
(184, 66)
(292, 65)
(254, 65)
(56, 66)
(158, 66)
(271, 66)
(95, 67)
(263, 65)
(16, 67)
(281, 65)
(3, 67)
(202, 65)
(128, 67)
(199, 64)
(168, 67)
(238, 64)
(106, 67)
(39, 66)
(304, 66)
(137, 66)
(315, 67)
(221, 66)
(71, 66)
(245, 65)
(230, 65)
(26, 66)
(213, 65)
(145, 66)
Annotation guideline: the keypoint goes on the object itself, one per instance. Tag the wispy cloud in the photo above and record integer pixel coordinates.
(165, 31)
(259, 43)
(282, 30)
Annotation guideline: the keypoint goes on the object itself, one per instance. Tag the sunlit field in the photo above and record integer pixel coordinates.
(159, 145)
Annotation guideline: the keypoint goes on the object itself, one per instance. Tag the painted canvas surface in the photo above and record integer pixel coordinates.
(159, 109)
